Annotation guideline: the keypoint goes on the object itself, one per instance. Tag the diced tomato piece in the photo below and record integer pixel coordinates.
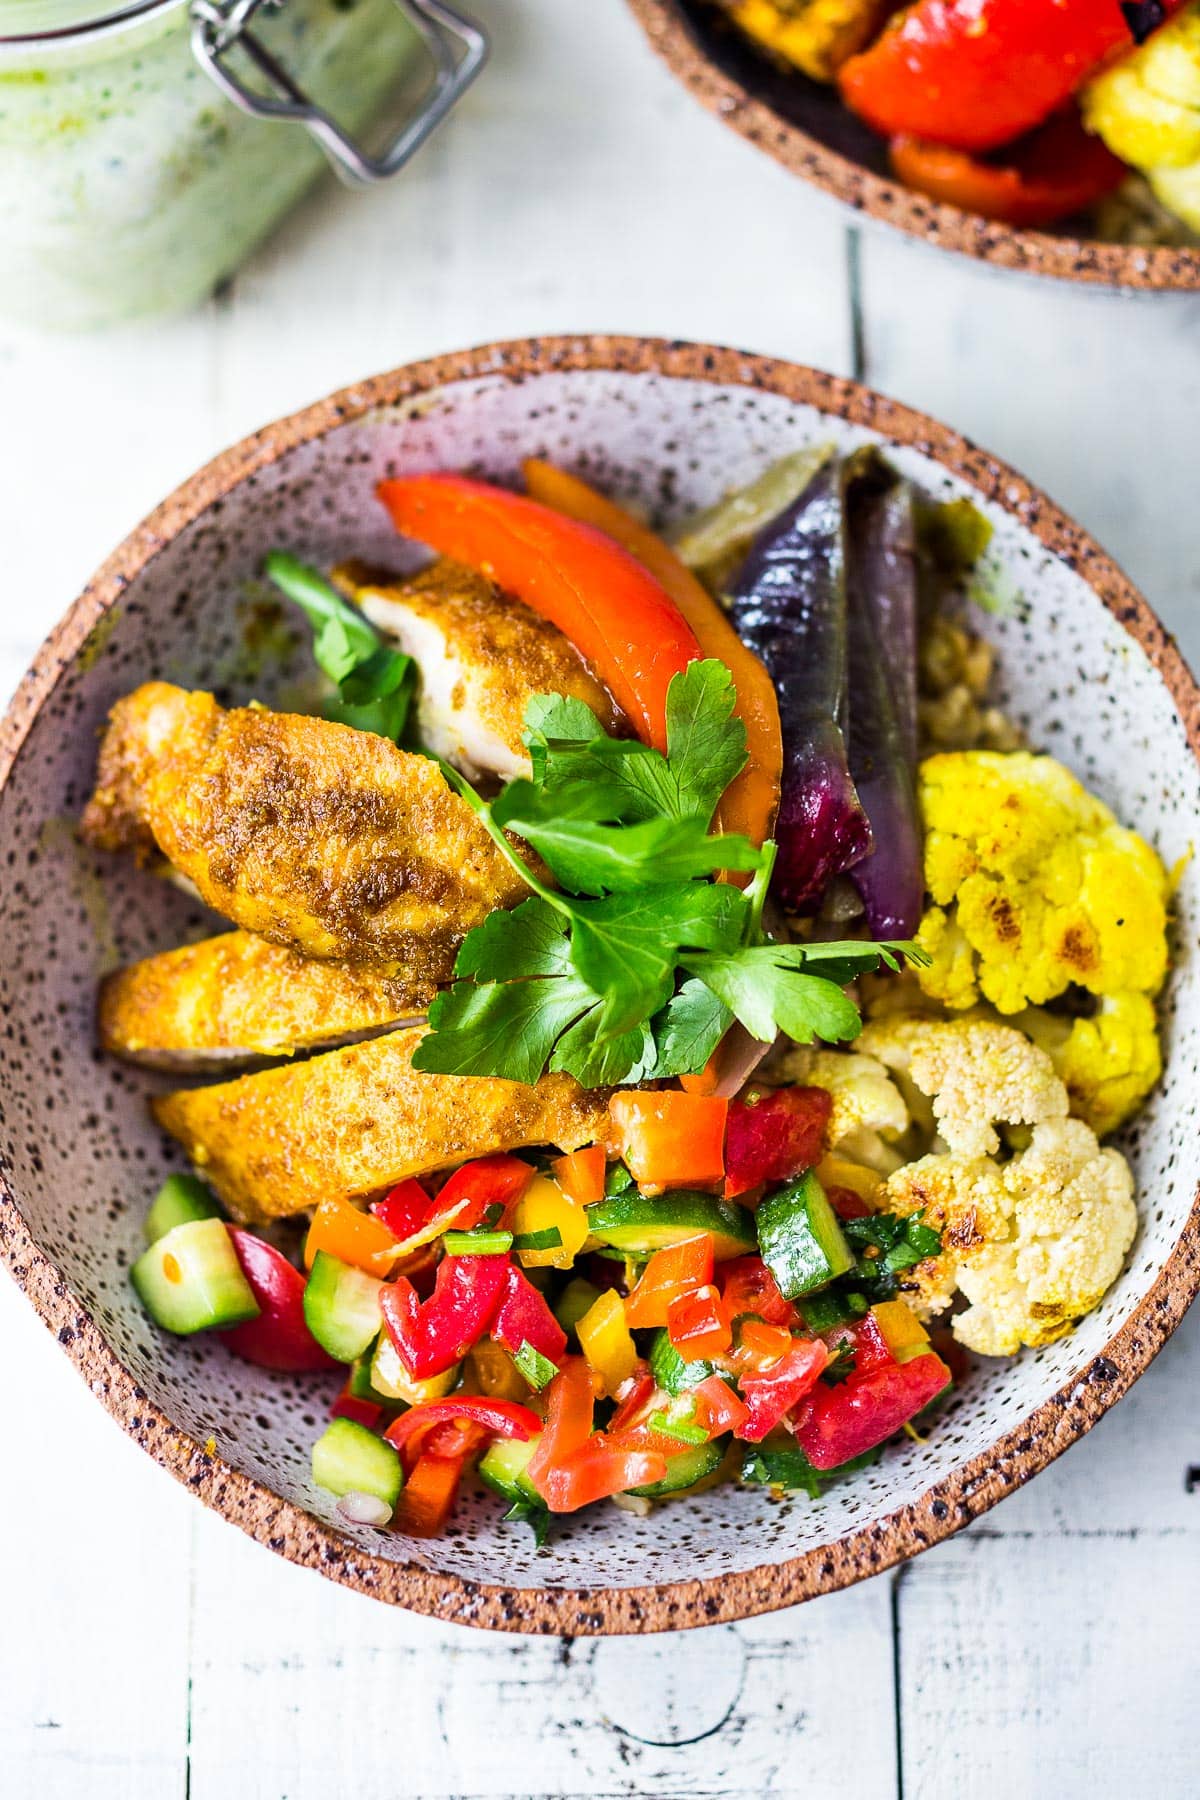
(771, 1395)
(279, 1337)
(489, 1181)
(570, 1403)
(696, 1324)
(363, 1412)
(432, 1335)
(598, 1469)
(427, 1497)
(632, 1397)
(671, 1139)
(766, 1343)
(581, 1175)
(718, 1408)
(847, 1204)
(678, 1269)
(403, 1209)
(865, 1339)
(836, 1424)
(523, 1317)
(748, 1286)
(774, 1138)
(457, 1426)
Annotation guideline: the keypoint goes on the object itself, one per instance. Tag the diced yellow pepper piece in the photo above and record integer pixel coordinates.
(490, 1370)
(838, 1171)
(605, 1340)
(544, 1206)
(391, 1378)
(903, 1332)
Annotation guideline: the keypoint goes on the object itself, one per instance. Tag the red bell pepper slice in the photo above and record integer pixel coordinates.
(697, 1326)
(678, 1269)
(432, 1335)
(363, 1412)
(523, 1317)
(670, 1139)
(1058, 170)
(977, 73)
(489, 1181)
(403, 1209)
(570, 1403)
(428, 1496)
(412, 1433)
(771, 1395)
(776, 1137)
(836, 1424)
(748, 1286)
(598, 1469)
(622, 621)
(718, 1408)
(278, 1338)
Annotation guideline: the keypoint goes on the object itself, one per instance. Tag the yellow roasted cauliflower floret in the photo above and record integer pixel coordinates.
(976, 1072)
(964, 1198)
(1033, 877)
(1147, 110)
(954, 673)
(1109, 1061)
(816, 35)
(868, 1114)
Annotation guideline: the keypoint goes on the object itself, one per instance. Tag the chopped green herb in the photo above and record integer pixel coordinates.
(840, 1366)
(548, 1239)
(786, 1467)
(478, 1243)
(885, 1245)
(678, 1428)
(537, 1369)
(532, 1513)
(375, 683)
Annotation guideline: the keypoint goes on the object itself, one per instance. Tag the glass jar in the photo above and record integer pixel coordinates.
(145, 151)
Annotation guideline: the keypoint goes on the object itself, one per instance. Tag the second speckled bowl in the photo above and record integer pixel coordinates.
(1085, 666)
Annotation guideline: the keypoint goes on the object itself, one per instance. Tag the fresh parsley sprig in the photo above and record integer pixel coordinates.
(375, 683)
(636, 964)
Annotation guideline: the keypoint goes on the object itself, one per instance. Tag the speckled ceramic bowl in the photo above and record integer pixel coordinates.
(804, 126)
(1087, 669)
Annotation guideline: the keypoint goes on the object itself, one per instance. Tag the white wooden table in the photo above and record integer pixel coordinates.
(147, 1650)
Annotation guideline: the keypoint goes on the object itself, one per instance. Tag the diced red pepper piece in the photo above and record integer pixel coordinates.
(581, 1175)
(432, 1335)
(748, 1286)
(350, 1406)
(678, 1269)
(696, 1324)
(404, 1209)
(836, 1424)
(412, 1433)
(427, 1497)
(632, 1396)
(765, 1343)
(847, 1204)
(523, 1317)
(670, 1139)
(718, 1408)
(598, 1469)
(570, 1404)
(771, 1395)
(774, 1138)
(353, 1236)
(622, 621)
(279, 1337)
(489, 1181)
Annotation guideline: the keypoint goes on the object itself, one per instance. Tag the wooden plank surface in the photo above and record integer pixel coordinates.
(148, 1649)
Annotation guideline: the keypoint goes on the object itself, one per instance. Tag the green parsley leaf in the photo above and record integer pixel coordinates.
(508, 946)
(706, 744)
(533, 1513)
(626, 948)
(687, 1030)
(537, 1369)
(507, 1029)
(375, 683)
(765, 987)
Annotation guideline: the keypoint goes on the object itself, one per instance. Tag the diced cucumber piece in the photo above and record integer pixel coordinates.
(349, 1459)
(684, 1471)
(392, 1380)
(190, 1279)
(181, 1200)
(670, 1371)
(341, 1307)
(641, 1223)
(503, 1466)
(826, 1310)
(576, 1299)
(801, 1241)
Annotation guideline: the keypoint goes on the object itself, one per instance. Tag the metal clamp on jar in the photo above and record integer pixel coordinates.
(141, 155)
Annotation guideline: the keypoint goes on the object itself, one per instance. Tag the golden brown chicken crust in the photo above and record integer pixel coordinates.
(330, 841)
(236, 997)
(501, 652)
(355, 1121)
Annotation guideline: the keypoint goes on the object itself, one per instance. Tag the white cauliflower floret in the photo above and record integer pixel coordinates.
(869, 1113)
(1073, 1222)
(976, 1073)
(964, 1199)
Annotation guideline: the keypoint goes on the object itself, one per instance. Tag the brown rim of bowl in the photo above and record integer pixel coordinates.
(952, 1502)
(1152, 267)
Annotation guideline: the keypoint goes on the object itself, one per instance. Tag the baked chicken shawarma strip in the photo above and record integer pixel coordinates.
(357, 1120)
(481, 653)
(330, 841)
(235, 998)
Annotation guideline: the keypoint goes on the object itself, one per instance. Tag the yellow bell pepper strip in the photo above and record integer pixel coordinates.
(622, 622)
(606, 1341)
(750, 801)
(671, 1139)
(354, 1237)
(902, 1331)
(490, 1371)
(545, 1207)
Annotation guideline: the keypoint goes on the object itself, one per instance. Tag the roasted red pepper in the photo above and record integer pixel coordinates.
(618, 617)
(523, 1317)
(412, 1434)
(771, 1395)
(748, 1287)
(978, 73)
(432, 1335)
(1054, 172)
(836, 1424)
(776, 1137)
(279, 1337)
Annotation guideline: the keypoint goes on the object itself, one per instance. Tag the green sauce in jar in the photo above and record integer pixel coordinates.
(128, 183)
